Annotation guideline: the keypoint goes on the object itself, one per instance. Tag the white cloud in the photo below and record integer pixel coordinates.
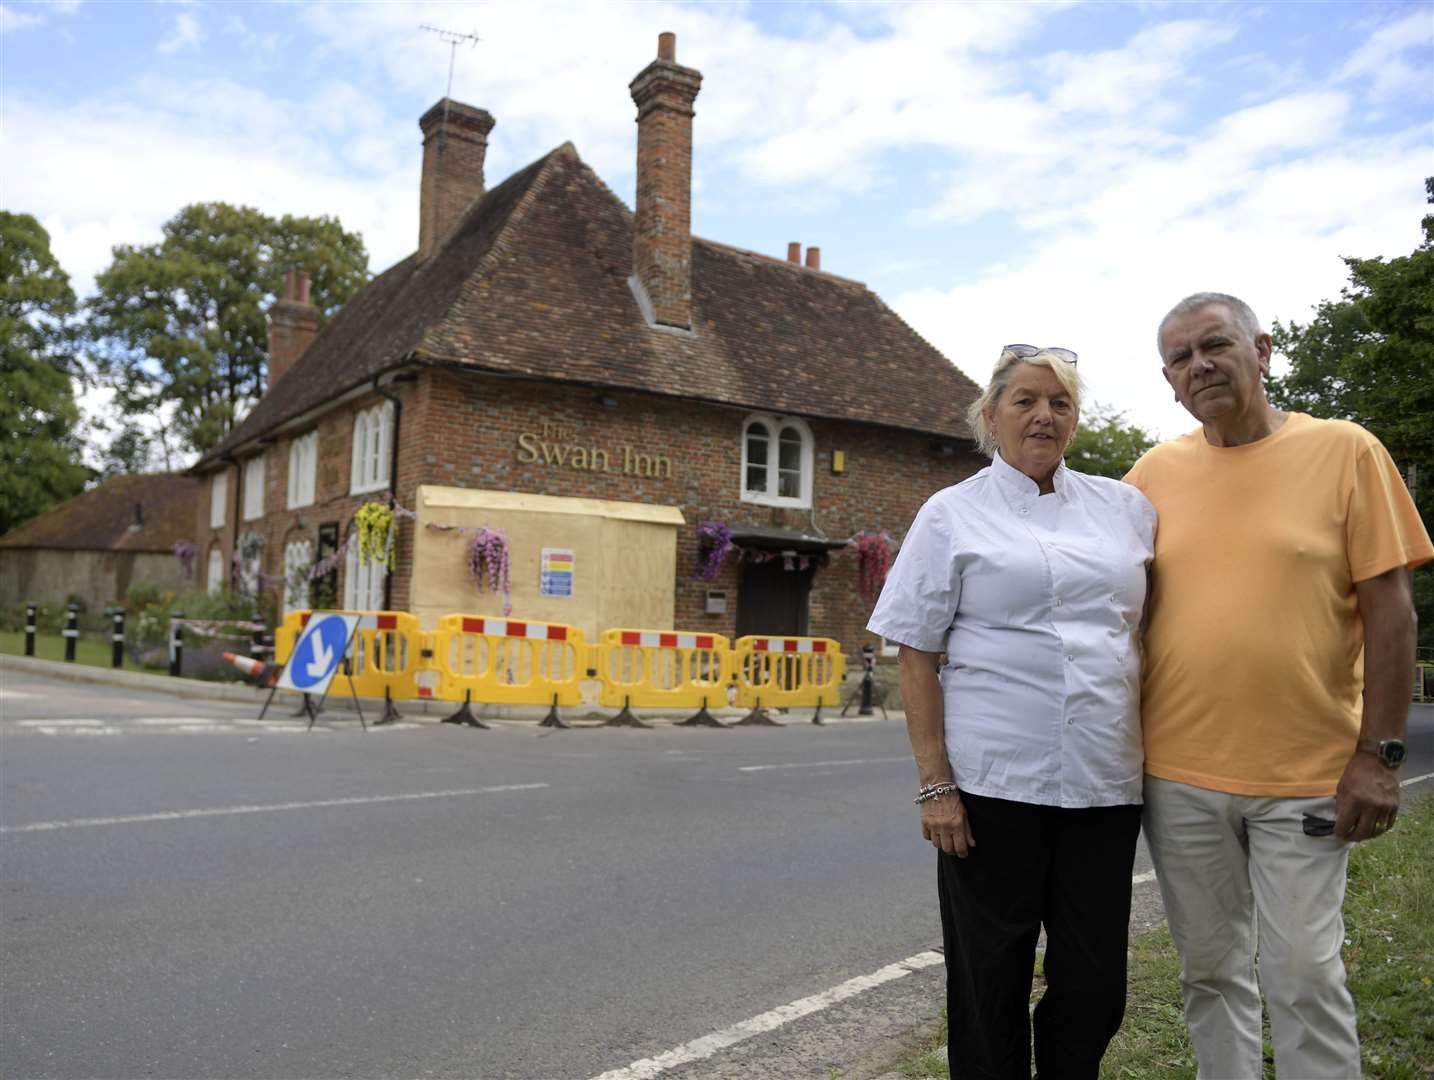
(184, 33)
(30, 14)
(1383, 60)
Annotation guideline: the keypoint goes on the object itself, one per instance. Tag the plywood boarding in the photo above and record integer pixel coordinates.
(625, 558)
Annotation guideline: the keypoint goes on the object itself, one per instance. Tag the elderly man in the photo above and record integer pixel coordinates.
(1275, 689)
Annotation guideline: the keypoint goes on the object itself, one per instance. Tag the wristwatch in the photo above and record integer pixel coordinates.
(1390, 752)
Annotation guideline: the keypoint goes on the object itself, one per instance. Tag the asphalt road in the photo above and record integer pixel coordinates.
(504, 903)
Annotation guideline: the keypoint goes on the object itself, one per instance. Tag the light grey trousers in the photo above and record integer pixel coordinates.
(1237, 871)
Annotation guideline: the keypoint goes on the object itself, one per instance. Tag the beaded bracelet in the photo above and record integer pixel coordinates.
(935, 791)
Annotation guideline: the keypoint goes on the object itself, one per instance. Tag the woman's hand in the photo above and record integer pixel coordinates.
(944, 823)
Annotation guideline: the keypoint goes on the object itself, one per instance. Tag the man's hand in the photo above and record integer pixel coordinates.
(943, 822)
(1367, 799)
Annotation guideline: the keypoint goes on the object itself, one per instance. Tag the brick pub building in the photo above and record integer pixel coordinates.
(595, 380)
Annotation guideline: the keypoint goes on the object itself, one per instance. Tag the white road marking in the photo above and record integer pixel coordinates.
(824, 764)
(266, 808)
(1141, 879)
(1416, 779)
(708, 1045)
(197, 725)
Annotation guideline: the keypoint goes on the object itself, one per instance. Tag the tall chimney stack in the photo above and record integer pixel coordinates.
(293, 322)
(455, 141)
(662, 228)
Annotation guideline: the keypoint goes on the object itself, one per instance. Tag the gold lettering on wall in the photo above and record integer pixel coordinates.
(555, 446)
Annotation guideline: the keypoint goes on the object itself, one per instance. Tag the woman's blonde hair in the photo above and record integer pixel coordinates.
(1064, 370)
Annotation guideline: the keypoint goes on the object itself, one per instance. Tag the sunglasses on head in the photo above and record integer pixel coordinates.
(1025, 352)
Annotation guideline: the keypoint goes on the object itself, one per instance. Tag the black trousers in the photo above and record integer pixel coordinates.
(1068, 869)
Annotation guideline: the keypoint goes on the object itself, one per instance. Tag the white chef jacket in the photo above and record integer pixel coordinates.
(1036, 601)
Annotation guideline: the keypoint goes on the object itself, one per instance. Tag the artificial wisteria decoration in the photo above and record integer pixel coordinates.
(184, 552)
(488, 557)
(714, 540)
(873, 560)
(375, 526)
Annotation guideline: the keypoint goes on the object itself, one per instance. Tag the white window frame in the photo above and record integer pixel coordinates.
(254, 488)
(296, 553)
(214, 575)
(775, 426)
(303, 469)
(218, 498)
(363, 581)
(372, 449)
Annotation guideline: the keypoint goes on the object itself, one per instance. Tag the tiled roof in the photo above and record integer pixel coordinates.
(535, 282)
(101, 519)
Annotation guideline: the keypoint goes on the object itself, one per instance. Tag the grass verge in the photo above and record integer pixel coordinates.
(1389, 955)
(89, 651)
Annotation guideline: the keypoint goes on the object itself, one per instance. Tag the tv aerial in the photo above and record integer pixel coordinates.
(454, 39)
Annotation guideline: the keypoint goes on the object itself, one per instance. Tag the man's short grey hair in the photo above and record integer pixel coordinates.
(986, 439)
(1244, 315)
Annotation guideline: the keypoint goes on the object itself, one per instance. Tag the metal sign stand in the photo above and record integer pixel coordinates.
(348, 646)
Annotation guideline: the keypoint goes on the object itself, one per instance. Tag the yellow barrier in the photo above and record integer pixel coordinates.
(782, 672)
(508, 661)
(384, 659)
(657, 668)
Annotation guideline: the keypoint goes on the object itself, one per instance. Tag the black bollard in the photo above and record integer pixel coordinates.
(176, 643)
(71, 632)
(32, 612)
(117, 640)
(868, 662)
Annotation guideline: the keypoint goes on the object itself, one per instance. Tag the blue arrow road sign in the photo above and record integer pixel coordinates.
(318, 653)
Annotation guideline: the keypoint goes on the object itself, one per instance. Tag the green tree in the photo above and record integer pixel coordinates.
(1369, 357)
(179, 326)
(39, 449)
(1105, 444)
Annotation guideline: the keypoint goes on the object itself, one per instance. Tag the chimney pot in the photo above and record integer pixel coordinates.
(288, 285)
(303, 294)
(814, 258)
(455, 142)
(667, 46)
(794, 253)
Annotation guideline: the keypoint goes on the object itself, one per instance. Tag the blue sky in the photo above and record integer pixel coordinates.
(1053, 173)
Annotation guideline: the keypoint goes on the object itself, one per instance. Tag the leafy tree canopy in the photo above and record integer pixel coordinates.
(1369, 357)
(39, 450)
(179, 326)
(1105, 444)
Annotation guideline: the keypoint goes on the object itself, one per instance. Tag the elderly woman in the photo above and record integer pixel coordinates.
(1031, 580)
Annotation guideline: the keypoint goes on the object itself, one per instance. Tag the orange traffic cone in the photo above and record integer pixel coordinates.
(265, 675)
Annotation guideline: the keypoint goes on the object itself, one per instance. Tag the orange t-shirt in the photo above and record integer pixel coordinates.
(1253, 674)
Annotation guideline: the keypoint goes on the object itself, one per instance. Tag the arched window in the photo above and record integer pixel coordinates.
(776, 461)
(303, 467)
(214, 576)
(372, 449)
(363, 581)
(298, 561)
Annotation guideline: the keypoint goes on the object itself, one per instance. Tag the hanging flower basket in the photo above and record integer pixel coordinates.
(873, 560)
(375, 522)
(488, 561)
(714, 540)
(184, 552)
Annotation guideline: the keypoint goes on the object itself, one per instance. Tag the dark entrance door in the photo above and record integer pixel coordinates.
(772, 600)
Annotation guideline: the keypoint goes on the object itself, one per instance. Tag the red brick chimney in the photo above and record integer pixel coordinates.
(455, 141)
(662, 229)
(814, 258)
(794, 253)
(293, 322)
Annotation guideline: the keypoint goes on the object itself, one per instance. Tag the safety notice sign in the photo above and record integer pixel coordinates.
(556, 573)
